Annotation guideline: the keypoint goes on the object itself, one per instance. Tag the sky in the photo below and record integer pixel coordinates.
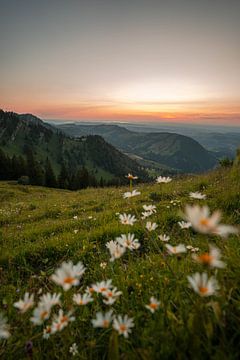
(122, 60)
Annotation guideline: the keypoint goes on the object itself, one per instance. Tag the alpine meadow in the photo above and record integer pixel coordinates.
(119, 273)
(119, 180)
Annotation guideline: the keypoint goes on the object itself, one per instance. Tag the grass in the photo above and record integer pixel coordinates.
(37, 235)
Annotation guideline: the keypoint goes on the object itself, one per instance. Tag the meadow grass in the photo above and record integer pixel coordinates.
(41, 228)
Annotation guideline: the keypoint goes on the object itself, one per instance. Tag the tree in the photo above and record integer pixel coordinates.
(63, 178)
(50, 178)
(34, 169)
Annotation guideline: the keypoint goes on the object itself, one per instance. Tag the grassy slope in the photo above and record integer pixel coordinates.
(37, 234)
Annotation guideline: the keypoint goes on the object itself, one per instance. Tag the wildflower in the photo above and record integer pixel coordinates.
(128, 241)
(151, 226)
(131, 177)
(153, 305)
(75, 231)
(41, 313)
(192, 249)
(4, 328)
(89, 290)
(73, 349)
(26, 303)
(163, 179)
(50, 300)
(47, 332)
(176, 249)
(75, 217)
(61, 320)
(68, 275)
(115, 249)
(202, 285)
(164, 238)
(103, 320)
(111, 296)
(204, 223)
(103, 265)
(212, 258)
(127, 219)
(150, 208)
(130, 194)
(184, 224)
(146, 214)
(102, 286)
(197, 195)
(123, 325)
(82, 299)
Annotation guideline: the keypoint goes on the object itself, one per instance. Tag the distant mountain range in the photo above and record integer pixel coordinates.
(160, 150)
(21, 132)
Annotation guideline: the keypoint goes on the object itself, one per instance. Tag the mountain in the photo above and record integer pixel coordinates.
(18, 133)
(178, 152)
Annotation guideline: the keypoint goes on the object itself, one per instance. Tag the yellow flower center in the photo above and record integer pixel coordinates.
(123, 327)
(153, 306)
(105, 323)
(204, 222)
(69, 280)
(203, 290)
(205, 258)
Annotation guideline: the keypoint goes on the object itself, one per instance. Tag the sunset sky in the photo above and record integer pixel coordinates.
(128, 60)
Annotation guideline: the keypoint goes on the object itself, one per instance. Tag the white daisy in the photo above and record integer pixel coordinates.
(151, 226)
(197, 195)
(184, 224)
(123, 325)
(153, 305)
(164, 238)
(203, 285)
(115, 249)
(68, 275)
(103, 320)
(127, 219)
(82, 299)
(26, 303)
(174, 250)
(130, 194)
(128, 241)
(4, 328)
(61, 320)
(212, 258)
(163, 179)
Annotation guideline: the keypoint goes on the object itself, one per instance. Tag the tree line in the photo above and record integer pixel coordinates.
(29, 171)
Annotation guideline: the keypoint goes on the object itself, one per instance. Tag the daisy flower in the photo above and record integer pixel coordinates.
(150, 208)
(26, 303)
(4, 328)
(115, 249)
(153, 305)
(73, 349)
(127, 219)
(68, 275)
(131, 177)
(102, 286)
(203, 285)
(164, 238)
(211, 259)
(184, 224)
(49, 300)
(103, 320)
(146, 214)
(151, 226)
(163, 179)
(174, 250)
(47, 332)
(130, 194)
(41, 313)
(205, 223)
(197, 195)
(128, 241)
(61, 320)
(82, 299)
(123, 325)
(111, 296)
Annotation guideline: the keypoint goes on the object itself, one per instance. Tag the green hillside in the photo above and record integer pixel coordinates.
(41, 228)
(19, 133)
(181, 153)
